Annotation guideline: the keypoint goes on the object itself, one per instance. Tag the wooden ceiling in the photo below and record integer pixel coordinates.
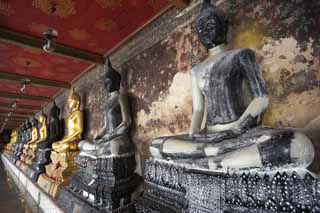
(88, 30)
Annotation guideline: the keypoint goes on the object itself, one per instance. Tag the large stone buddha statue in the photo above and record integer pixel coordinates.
(55, 133)
(43, 134)
(105, 178)
(228, 162)
(64, 151)
(229, 97)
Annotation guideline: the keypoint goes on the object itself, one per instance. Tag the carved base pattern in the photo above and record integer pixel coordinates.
(30, 157)
(58, 172)
(18, 151)
(169, 188)
(102, 185)
(76, 203)
(39, 165)
(51, 186)
(23, 167)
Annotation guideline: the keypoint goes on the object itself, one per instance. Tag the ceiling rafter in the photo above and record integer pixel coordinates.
(23, 96)
(17, 113)
(13, 120)
(28, 41)
(25, 117)
(21, 106)
(33, 80)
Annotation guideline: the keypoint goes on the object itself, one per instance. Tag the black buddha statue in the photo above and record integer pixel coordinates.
(105, 180)
(229, 85)
(228, 162)
(25, 137)
(20, 139)
(55, 133)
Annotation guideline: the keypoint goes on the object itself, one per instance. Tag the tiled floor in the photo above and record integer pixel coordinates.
(11, 199)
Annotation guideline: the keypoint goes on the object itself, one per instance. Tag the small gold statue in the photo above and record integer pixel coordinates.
(43, 134)
(65, 151)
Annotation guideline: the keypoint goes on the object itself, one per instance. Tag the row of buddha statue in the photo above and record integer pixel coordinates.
(229, 99)
(98, 172)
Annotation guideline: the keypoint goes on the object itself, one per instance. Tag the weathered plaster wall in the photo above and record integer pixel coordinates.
(156, 67)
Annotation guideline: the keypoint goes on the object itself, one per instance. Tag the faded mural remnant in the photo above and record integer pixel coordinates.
(285, 37)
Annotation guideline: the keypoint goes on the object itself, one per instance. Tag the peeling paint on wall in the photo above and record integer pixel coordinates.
(285, 36)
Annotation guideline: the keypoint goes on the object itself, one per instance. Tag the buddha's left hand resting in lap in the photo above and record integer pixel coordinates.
(112, 139)
(230, 86)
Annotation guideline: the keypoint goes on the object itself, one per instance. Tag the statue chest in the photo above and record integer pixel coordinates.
(113, 115)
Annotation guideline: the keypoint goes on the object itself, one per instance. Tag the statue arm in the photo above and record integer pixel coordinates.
(126, 115)
(45, 135)
(198, 106)
(33, 138)
(260, 100)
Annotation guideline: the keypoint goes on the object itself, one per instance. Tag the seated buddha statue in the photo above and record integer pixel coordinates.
(106, 164)
(112, 139)
(20, 140)
(43, 134)
(34, 138)
(64, 152)
(229, 85)
(45, 148)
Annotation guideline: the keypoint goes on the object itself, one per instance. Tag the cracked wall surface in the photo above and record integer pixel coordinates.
(156, 73)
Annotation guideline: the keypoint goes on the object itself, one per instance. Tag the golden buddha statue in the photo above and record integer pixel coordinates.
(65, 151)
(26, 147)
(43, 134)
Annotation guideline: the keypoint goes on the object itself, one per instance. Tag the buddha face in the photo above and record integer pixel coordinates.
(112, 81)
(211, 26)
(108, 84)
(211, 33)
(73, 101)
(41, 118)
(73, 104)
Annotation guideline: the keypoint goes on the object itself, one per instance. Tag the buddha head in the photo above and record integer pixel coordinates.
(42, 118)
(73, 100)
(34, 123)
(29, 124)
(112, 79)
(211, 25)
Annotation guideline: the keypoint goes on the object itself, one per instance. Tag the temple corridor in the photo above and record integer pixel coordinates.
(160, 106)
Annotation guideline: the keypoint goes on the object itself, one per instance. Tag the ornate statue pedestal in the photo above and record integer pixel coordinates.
(106, 184)
(18, 152)
(58, 172)
(23, 167)
(170, 188)
(39, 165)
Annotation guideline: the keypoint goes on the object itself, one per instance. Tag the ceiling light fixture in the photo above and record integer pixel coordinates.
(51, 34)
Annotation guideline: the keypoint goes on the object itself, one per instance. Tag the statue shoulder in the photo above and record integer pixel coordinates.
(76, 114)
(244, 52)
(123, 95)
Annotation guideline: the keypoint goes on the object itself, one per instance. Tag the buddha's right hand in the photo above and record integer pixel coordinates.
(214, 137)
